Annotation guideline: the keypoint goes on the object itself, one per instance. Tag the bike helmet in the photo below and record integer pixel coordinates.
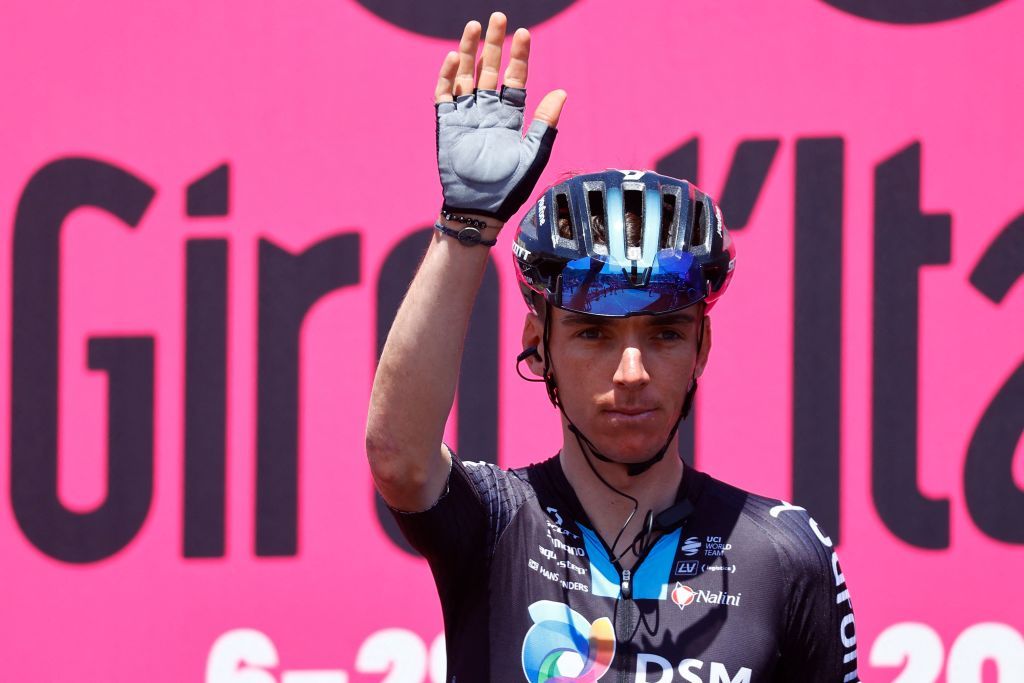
(619, 243)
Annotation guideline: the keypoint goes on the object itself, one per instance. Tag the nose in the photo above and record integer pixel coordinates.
(631, 373)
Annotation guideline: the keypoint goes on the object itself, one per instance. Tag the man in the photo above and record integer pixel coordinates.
(613, 560)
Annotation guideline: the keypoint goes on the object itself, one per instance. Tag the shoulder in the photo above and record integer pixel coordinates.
(801, 545)
(817, 636)
(494, 483)
(502, 493)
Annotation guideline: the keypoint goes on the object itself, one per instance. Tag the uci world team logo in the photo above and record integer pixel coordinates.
(563, 646)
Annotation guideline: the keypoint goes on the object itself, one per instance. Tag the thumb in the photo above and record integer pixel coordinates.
(550, 108)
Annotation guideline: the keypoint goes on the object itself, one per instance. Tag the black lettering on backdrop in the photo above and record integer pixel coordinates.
(994, 502)
(289, 285)
(206, 311)
(446, 19)
(911, 11)
(682, 163)
(747, 175)
(208, 196)
(51, 195)
(206, 351)
(1001, 265)
(905, 240)
(477, 398)
(817, 326)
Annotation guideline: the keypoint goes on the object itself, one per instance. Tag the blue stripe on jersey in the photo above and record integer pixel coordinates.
(650, 580)
(604, 578)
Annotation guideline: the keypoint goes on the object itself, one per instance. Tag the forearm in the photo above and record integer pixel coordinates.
(416, 378)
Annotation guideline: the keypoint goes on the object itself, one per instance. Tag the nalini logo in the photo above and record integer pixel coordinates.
(563, 646)
(691, 546)
(684, 596)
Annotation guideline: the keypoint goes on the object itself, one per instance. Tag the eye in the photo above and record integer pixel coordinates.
(669, 334)
(590, 333)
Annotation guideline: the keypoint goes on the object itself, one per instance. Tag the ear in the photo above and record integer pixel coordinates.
(705, 348)
(533, 335)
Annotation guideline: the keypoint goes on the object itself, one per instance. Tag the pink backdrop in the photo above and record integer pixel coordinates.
(322, 112)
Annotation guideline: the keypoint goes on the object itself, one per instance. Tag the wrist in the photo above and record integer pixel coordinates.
(487, 226)
(477, 220)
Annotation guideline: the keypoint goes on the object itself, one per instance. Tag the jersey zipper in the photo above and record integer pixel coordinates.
(623, 620)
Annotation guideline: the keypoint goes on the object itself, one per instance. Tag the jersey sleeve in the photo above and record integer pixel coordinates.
(819, 640)
(452, 526)
(465, 523)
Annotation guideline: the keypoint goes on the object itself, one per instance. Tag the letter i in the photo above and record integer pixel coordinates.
(206, 314)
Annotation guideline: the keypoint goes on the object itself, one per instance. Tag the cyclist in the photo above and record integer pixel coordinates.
(612, 560)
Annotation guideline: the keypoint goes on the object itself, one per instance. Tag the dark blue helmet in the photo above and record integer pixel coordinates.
(619, 243)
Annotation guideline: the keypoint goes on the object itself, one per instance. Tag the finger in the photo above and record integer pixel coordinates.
(550, 108)
(446, 79)
(467, 58)
(490, 60)
(515, 73)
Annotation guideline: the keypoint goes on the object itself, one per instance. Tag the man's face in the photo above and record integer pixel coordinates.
(622, 381)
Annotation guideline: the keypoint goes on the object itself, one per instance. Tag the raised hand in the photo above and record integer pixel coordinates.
(486, 165)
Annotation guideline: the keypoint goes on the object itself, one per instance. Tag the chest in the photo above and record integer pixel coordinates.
(694, 607)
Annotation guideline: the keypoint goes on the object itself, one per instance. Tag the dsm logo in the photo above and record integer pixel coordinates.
(563, 646)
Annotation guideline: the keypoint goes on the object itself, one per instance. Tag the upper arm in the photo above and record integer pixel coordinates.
(819, 642)
(451, 528)
(408, 487)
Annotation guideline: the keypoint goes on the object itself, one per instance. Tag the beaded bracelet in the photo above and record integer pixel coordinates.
(465, 220)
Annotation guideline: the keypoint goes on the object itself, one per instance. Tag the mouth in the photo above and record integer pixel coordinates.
(630, 413)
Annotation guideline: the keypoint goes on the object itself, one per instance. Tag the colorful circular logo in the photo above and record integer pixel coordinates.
(563, 646)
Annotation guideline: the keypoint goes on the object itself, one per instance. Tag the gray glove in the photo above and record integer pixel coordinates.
(486, 165)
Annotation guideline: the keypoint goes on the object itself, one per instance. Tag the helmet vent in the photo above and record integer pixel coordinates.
(598, 218)
(563, 217)
(633, 206)
(698, 234)
(668, 219)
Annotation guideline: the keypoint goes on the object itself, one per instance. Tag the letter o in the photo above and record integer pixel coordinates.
(904, 12)
(849, 641)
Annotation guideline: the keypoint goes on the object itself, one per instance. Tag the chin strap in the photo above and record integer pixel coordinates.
(632, 468)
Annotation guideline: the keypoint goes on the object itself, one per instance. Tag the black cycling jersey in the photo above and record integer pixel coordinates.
(737, 589)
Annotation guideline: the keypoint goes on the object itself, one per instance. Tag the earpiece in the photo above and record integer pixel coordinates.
(527, 352)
